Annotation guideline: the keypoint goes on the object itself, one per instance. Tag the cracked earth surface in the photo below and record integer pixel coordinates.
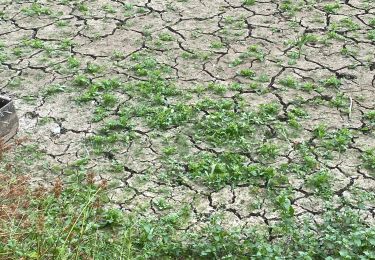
(245, 111)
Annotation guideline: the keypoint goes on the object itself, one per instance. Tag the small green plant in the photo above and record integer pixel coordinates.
(81, 80)
(303, 40)
(219, 89)
(268, 151)
(15, 82)
(368, 159)
(285, 206)
(66, 44)
(118, 55)
(321, 182)
(332, 82)
(345, 24)
(54, 89)
(162, 204)
(249, 2)
(340, 101)
(170, 116)
(225, 127)
(268, 111)
(73, 63)
(166, 37)
(293, 57)
(36, 9)
(331, 8)
(93, 68)
(289, 82)
(109, 100)
(371, 35)
(3, 57)
(35, 43)
(320, 132)
(297, 112)
(253, 51)
(339, 140)
(109, 9)
(83, 8)
(346, 51)
(309, 86)
(226, 169)
(62, 23)
(247, 73)
(370, 117)
(290, 7)
(217, 45)
(17, 52)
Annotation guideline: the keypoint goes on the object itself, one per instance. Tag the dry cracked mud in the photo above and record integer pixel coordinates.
(245, 110)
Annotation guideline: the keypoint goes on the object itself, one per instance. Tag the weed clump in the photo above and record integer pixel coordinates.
(368, 159)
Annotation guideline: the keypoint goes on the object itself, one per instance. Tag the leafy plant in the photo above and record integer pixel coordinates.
(371, 35)
(247, 73)
(170, 116)
(253, 51)
(36, 9)
(332, 82)
(226, 169)
(321, 182)
(331, 8)
(268, 151)
(249, 2)
(368, 159)
(370, 117)
(289, 82)
(339, 140)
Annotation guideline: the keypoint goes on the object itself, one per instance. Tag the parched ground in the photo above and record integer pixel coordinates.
(251, 111)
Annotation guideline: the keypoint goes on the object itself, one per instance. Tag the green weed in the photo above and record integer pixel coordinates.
(339, 140)
(247, 73)
(368, 159)
(226, 169)
(331, 8)
(321, 182)
(36, 9)
(249, 2)
(332, 82)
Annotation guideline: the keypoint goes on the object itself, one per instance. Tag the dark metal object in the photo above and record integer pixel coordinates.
(8, 119)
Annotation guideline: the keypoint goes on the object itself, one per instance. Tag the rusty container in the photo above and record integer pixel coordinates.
(8, 119)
